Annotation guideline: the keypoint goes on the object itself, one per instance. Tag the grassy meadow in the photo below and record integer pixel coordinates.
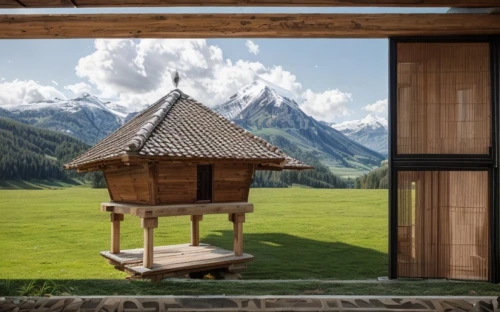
(294, 233)
(50, 241)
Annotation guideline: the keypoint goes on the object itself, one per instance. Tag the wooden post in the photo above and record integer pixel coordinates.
(115, 232)
(148, 224)
(238, 219)
(195, 230)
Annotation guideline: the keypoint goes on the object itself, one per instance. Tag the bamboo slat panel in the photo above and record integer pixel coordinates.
(444, 98)
(443, 224)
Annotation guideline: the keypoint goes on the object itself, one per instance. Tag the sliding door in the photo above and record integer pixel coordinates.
(442, 158)
(443, 224)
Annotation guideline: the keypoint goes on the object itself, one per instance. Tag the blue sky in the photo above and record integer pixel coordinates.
(333, 79)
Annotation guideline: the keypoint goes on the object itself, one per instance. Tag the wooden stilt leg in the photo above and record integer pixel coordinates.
(149, 225)
(115, 232)
(238, 220)
(195, 230)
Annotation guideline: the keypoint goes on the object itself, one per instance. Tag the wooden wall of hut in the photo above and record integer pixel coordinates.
(129, 184)
(167, 183)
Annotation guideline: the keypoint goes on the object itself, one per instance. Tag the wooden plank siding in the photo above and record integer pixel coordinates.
(289, 3)
(176, 183)
(128, 184)
(232, 182)
(36, 26)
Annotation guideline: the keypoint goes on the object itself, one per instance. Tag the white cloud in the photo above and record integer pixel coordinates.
(55, 82)
(252, 47)
(379, 107)
(327, 105)
(26, 91)
(3, 79)
(79, 88)
(137, 72)
(283, 79)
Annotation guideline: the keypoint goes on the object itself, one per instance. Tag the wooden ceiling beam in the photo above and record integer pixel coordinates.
(248, 3)
(11, 4)
(23, 26)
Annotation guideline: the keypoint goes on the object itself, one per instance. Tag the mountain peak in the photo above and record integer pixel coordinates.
(260, 92)
(374, 120)
(84, 101)
(370, 131)
(369, 121)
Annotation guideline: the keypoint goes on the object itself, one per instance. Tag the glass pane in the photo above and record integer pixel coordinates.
(444, 98)
(443, 224)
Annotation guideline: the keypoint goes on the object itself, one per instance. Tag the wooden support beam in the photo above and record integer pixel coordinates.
(148, 254)
(195, 230)
(24, 26)
(247, 3)
(238, 219)
(148, 225)
(115, 232)
(144, 211)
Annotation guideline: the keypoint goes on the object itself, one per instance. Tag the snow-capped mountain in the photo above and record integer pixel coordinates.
(371, 131)
(259, 91)
(85, 117)
(72, 106)
(273, 114)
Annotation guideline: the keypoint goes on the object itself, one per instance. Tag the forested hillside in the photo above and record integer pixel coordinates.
(376, 179)
(32, 153)
(319, 177)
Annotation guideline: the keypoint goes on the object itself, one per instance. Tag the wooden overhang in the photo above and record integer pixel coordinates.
(21, 26)
(296, 3)
(126, 160)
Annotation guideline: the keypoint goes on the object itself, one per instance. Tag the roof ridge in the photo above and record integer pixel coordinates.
(148, 127)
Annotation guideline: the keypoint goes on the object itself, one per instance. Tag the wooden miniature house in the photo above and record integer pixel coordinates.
(179, 158)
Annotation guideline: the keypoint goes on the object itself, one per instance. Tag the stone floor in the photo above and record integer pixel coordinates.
(244, 303)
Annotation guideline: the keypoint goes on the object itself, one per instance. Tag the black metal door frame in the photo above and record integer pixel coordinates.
(446, 162)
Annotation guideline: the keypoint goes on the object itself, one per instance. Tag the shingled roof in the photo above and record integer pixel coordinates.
(179, 127)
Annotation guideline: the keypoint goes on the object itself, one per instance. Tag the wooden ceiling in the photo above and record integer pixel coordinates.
(304, 3)
(23, 26)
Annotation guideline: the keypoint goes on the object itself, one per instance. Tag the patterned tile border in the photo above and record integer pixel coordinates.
(248, 303)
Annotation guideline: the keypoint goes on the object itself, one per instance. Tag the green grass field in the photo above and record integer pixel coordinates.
(294, 233)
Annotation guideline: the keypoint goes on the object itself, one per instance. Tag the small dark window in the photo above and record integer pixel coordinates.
(204, 183)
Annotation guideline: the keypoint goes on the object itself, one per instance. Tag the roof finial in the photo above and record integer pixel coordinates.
(175, 78)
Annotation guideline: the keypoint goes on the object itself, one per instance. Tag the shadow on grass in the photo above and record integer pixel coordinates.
(284, 256)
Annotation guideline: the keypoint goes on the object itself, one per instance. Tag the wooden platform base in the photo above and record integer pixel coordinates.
(177, 260)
